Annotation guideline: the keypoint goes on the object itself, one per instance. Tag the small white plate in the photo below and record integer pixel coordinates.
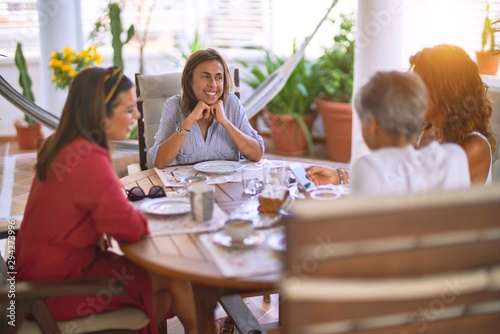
(324, 194)
(217, 167)
(222, 239)
(166, 206)
(277, 241)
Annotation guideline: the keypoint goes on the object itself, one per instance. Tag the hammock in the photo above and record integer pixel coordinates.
(270, 87)
(262, 95)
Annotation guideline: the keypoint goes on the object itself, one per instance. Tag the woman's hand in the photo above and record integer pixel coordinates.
(104, 242)
(201, 111)
(217, 110)
(322, 175)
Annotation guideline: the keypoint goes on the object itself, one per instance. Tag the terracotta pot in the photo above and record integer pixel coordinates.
(254, 119)
(337, 121)
(487, 63)
(29, 137)
(287, 136)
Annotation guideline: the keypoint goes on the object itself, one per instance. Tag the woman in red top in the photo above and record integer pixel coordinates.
(76, 198)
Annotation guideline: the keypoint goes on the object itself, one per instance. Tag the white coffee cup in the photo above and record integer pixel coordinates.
(238, 229)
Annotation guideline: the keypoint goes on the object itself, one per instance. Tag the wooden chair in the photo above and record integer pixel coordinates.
(412, 264)
(28, 297)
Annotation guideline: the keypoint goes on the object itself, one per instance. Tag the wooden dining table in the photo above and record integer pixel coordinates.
(183, 256)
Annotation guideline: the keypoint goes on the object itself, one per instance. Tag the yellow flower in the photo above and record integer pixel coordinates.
(65, 65)
(98, 59)
(82, 54)
(68, 51)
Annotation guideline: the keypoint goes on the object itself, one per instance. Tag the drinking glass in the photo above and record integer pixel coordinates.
(252, 178)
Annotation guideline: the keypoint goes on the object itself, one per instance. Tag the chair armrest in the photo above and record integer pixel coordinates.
(44, 289)
(241, 315)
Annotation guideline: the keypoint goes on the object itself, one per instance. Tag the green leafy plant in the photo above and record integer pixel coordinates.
(488, 34)
(197, 43)
(296, 96)
(334, 69)
(24, 79)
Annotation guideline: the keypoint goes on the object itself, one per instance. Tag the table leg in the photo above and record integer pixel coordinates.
(206, 300)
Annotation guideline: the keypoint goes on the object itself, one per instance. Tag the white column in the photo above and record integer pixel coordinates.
(378, 48)
(60, 26)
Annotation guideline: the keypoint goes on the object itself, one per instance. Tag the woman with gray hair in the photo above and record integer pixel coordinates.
(391, 107)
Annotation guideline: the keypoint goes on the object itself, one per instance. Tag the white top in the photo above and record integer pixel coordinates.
(218, 146)
(408, 170)
(483, 137)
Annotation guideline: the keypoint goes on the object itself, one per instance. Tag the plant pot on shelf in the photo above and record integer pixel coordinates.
(29, 137)
(287, 135)
(487, 62)
(337, 122)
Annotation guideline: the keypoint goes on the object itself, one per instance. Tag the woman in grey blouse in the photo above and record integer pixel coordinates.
(206, 121)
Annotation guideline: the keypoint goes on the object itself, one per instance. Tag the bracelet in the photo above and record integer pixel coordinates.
(181, 131)
(347, 176)
(341, 176)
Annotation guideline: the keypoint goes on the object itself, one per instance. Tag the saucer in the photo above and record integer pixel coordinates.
(277, 241)
(222, 239)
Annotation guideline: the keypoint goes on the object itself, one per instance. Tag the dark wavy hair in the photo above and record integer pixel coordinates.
(456, 87)
(188, 99)
(91, 98)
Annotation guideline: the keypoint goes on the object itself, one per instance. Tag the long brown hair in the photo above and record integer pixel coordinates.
(188, 99)
(455, 85)
(91, 98)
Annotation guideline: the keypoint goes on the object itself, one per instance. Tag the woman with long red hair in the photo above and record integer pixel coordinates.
(458, 109)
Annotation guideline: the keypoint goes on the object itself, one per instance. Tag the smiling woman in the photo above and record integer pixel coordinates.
(206, 121)
(76, 201)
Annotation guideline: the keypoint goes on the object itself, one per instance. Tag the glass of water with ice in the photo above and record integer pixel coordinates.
(252, 178)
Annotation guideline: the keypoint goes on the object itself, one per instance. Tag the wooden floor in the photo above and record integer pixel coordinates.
(16, 176)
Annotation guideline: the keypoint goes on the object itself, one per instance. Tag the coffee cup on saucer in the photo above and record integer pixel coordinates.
(238, 229)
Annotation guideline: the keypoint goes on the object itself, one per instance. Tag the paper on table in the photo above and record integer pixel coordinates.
(172, 176)
(258, 260)
(160, 225)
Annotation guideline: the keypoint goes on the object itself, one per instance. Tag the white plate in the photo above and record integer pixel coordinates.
(217, 167)
(277, 241)
(166, 206)
(324, 194)
(222, 239)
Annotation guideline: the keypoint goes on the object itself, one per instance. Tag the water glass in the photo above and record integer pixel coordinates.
(275, 173)
(201, 196)
(189, 180)
(252, 178)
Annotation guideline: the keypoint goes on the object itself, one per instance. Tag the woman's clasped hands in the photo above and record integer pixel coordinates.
(206, 112)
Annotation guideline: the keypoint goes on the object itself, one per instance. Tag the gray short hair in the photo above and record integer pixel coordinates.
(398, 100)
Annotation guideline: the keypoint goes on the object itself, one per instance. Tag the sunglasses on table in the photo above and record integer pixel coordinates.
(137, 193)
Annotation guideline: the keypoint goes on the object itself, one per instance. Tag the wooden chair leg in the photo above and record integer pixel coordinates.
(162, 328)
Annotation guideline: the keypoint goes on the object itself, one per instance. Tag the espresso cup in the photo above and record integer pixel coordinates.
(238, 229)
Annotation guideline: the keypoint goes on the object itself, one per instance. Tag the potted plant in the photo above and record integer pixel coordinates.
(29, 132)
(334, 72)
(289, 113)
(488, 57)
